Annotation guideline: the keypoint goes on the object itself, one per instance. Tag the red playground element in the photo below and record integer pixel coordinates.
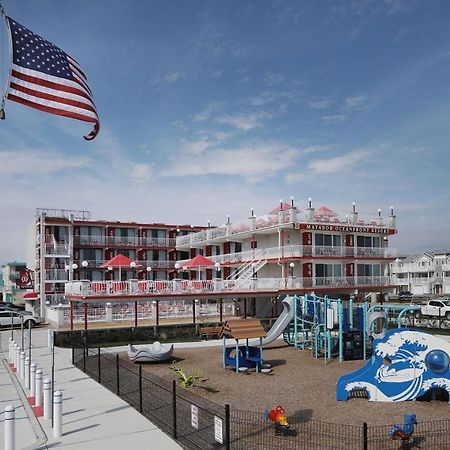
(277, 415)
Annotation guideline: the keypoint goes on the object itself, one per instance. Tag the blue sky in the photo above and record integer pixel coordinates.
(209, 108)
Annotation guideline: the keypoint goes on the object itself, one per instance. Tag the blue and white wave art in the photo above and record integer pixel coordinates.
(405, 364)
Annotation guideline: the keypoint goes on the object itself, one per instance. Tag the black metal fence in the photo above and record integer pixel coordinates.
(197, 423)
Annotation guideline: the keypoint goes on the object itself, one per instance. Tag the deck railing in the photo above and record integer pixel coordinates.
(178, 286)
(123, 241)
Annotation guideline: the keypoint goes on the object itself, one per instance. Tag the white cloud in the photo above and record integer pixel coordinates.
(271, 78)
(210, 109)
(334, 118)
(320, 103)
(248, 161)
(141, 173)
(354, 102)
(27, 162)
(244, 123)
(173, 77)
(337, 164)
(195, 147)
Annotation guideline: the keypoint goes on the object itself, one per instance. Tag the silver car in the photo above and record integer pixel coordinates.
(16, 318)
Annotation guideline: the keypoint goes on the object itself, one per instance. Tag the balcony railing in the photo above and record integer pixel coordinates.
(118, 241)
(55, 249)
(59, 275)
(297, 251)
(412, 268)
(174, 287)
(141, 264)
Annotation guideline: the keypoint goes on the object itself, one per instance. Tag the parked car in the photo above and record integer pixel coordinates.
(436, 307)
(404, 294)
(17, 317)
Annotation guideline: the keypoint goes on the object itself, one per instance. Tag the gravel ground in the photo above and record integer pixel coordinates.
(303, 385)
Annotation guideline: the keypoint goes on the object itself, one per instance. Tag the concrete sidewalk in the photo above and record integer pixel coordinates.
(93, 417)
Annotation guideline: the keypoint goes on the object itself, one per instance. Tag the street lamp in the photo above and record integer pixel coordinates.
(85, 264)
(291, 269)
(149, 269)
(217, 266)
(74, 266)
(177, 267)
(133, 266)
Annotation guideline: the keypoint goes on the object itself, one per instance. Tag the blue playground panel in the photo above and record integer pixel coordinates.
(248, 356)
(405, 365)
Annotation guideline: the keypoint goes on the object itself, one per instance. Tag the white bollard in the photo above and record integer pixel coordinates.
(10, 428)
(33, 379)
(16, 365)
(47, 399)
(50, 339)
(10, 350)
(22, 366)
(14, 350)
(38, 396)
(57, 414)
(27, 372)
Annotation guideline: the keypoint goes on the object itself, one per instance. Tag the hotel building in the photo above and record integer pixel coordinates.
(66, 245)
(284, 251)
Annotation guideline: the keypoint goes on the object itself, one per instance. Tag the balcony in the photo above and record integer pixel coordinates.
(161, 264)
(118, 241)
(57, 250)
(301, 251)
(412, 268)
(56, 275)
(253, 286)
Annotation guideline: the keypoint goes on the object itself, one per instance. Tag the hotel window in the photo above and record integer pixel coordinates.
(368, 270)
(328, 270)
(328, 240)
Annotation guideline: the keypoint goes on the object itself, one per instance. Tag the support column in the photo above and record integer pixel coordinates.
(221, 309)
(157, 313)
(85, 315)
(193, 311)
(71, 315)
(135, 314)
(245, 307)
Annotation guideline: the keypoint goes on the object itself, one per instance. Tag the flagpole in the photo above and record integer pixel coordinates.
(2, 104)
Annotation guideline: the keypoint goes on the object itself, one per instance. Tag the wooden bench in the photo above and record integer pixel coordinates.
(210, 331)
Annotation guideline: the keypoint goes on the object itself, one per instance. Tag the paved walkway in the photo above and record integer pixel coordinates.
(93, 417)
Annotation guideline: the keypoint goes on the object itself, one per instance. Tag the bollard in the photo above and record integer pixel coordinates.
(47, 399)
(22, 366)
(18, 350)
(14, 350)
(38, 396)
(57, 414)
(10, 350)
(10, 428)
(50, 339)
(33, 379)
(27, 371)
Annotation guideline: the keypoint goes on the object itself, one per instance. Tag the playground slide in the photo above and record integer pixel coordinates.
(282, 322)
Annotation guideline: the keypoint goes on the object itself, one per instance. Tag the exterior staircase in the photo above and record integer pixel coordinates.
(246, 271)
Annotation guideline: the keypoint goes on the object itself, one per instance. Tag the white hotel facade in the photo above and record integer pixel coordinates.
(284, 251)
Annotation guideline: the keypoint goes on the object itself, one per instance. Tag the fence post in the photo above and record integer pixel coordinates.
(84, 356)
(117, 374)
(365, 440)
(174, 408)
(140, 389)
(10, 428)
(99, 368)
(227, 427)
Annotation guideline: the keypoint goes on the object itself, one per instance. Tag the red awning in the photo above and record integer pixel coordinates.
(121, 261)
(198, 261)
(31, 296)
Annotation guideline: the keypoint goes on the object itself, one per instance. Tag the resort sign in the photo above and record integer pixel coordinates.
(344, 228)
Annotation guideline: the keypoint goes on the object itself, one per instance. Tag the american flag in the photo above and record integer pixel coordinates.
(46, 78)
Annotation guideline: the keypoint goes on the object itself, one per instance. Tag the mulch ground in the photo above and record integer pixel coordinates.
(302, 384)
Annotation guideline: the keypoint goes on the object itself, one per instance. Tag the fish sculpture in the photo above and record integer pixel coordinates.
(406, 431)
(405, 364)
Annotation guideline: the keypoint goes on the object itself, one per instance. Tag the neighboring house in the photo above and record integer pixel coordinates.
(425, 273)
(15, 280)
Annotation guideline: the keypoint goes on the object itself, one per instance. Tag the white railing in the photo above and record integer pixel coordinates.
(170, 287)
(297, 251)
(411, 268)
(56, 275)
(55, 299)
(160, 264)
(57, 249)
(119, 241)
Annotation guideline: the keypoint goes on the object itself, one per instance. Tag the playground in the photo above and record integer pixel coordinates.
(303, 385)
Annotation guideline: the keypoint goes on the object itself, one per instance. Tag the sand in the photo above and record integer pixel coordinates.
(302, 384)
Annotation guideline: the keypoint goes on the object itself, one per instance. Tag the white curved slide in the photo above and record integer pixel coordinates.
(282, 322)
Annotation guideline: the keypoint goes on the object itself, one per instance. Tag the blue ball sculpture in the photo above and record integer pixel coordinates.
(437, 361)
